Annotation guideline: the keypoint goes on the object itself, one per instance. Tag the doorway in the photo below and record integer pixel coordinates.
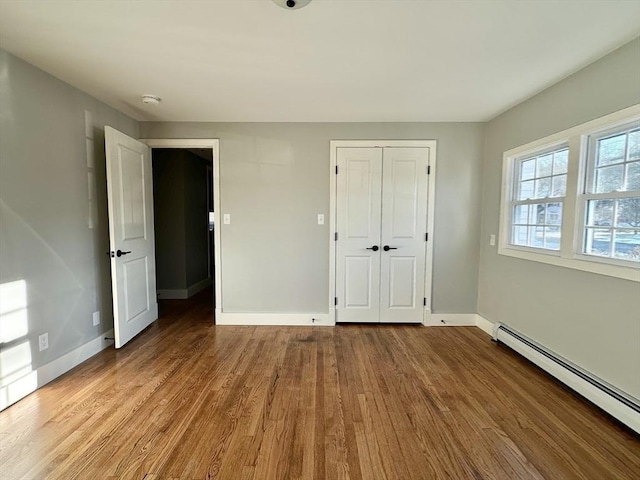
(382, 195)
(187, 199)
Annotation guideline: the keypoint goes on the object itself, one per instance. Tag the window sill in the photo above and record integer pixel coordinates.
(593, 266)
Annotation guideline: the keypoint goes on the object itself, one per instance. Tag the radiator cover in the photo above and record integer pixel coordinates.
(615, 402)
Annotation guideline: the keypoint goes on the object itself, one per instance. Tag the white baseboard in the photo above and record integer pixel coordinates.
(172, 294)
(11, 393)
(183, 293)
(484, 325)
(284, 319)
(453, 320)
(198, 287)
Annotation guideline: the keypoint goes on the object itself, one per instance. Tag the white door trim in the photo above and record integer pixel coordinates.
(334, 145)
(214, 144)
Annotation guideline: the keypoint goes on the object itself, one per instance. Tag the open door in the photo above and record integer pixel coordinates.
(131, 235)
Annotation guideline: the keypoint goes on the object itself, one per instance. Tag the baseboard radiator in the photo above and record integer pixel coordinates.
(612, 400)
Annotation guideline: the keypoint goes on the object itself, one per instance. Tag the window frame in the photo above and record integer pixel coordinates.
(574, 203)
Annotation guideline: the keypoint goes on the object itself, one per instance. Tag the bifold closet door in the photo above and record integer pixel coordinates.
(358, 217)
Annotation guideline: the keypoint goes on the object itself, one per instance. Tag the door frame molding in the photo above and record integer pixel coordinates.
(431, 196)
(214, 144)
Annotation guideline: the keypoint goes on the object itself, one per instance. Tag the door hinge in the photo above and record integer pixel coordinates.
(428, 169)
(424, 302)
(335, 236)
(335, 300)
(426, 237)
(336, 169)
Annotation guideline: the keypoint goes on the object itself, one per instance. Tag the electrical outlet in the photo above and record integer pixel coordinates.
(320, 219)
(226, 219)
(96, 319)
(43, 341)
(492, 240)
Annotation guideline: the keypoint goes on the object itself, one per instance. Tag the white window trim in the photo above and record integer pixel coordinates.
(573, 206)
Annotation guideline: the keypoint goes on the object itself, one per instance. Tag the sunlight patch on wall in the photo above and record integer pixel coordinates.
(13, 311)
(17, 377)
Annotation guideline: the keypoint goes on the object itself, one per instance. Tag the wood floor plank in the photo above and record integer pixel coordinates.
(190, 400)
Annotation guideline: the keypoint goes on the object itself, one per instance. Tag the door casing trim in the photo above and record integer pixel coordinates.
(431, 196)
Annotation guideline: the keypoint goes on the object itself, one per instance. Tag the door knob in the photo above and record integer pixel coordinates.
(120, 253)
(386, 248)
(375, 248)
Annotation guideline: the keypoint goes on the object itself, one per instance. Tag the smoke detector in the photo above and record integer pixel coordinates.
(291, 4)
(150, 99)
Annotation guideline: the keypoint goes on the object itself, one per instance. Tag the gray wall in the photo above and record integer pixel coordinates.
(45, 214)
(169, 212)
(275, 180)
(593, 320)
(180, 206)
(195, 219)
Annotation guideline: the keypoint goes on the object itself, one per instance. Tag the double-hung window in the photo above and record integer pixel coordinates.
(539, 191)
(612, 195)
(573, 199)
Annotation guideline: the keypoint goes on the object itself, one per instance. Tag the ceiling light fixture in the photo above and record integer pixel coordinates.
(291, 4)
(150, 99)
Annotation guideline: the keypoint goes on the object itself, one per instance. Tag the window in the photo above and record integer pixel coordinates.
(543, 177)
(612, 195)
(573, 199)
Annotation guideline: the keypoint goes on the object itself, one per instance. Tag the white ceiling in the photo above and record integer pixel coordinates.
(334, 60)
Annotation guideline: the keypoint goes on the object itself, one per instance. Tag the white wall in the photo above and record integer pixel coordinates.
(274, 180)
(53, 241)
(593, 320)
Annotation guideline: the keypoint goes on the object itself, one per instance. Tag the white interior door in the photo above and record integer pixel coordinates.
(404, 226)
(381, 222)
(358, 216)
(131, 235)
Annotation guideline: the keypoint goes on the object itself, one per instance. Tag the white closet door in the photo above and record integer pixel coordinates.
(404, 223)
(359, 187)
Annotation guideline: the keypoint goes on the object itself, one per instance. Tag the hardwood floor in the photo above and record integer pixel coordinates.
(188, 400)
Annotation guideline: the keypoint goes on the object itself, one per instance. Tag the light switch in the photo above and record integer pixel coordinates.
(492, 240)
(227, 219)
(320, 219)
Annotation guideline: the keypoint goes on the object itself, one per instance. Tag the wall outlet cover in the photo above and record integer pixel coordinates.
(43, 341)
(320, 219)
(96, 319)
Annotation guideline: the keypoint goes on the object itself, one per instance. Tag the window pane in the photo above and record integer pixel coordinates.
(519, 236)
(538, 213)
(543, 167)
(536, 237)
(559, 186)
(521, 214)
(598, 242)
(609, 179)
(634, 145)
(600, 213)
(560, 162)
(554, 214)
(527, 169)
(526, 190)
(633, 176)
(628, 213)
(611, 150)
(543, 188)
(627, 245)
(552, 238)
